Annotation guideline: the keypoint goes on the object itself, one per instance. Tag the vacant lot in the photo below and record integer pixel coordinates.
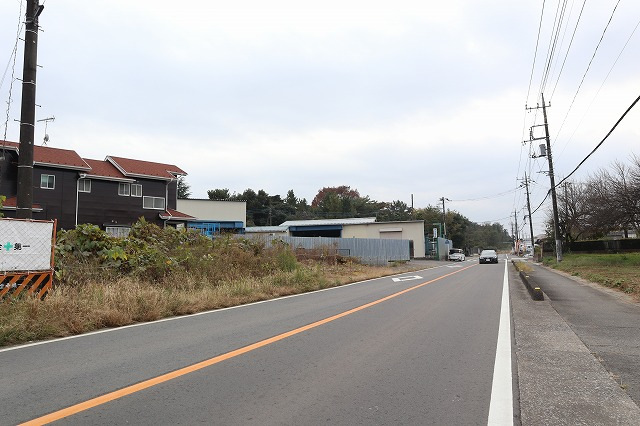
(619, 271)
(112, 302)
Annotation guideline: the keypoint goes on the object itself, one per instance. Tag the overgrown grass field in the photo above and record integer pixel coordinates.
(620, 271)
(157, 273)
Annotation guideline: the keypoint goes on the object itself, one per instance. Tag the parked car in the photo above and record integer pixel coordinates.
(456, 255)
(488, 256)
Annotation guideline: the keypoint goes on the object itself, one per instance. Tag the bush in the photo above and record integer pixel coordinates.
(163, 256)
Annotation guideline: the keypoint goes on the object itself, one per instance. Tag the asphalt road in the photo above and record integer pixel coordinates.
(357, 354)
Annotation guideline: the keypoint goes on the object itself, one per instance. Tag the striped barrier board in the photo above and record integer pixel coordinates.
(33, 283)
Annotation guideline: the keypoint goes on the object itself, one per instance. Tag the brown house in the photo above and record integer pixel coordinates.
(112, 193)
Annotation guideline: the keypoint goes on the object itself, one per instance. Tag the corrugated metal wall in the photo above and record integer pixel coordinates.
(368, 250)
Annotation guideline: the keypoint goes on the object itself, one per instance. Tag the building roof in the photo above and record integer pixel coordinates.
(171, 214)
(322, 222)
(265, 229)
(104, 169)
(55, 157)
(12, 202)
(139, 168)
(111, 167)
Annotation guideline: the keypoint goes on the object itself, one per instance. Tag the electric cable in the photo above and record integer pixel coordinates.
(588, 67)
(553, 44)
(568, 49)
(12, 60)
(600, 88)
(602, 141)
(535, 54)
(487, 197)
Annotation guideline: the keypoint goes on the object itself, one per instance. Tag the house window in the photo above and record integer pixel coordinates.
(84, 185)
(136, 190)
(156, 203)
(124, 189)
(47, 181)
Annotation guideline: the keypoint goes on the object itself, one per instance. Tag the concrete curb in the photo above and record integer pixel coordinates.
(529, 283)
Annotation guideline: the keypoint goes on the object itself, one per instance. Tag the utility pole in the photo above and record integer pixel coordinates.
(526, 185)
(516, 247)
(444, 221)
(554, 199)
(28, 111)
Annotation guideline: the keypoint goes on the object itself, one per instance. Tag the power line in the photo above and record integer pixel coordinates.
(588, 67)
(487, 197)
(553, 45)
(600, 88)
(12, 60)
(535, 54)
(547, 62)
(568, 49)
(540, 205)
(602, 141)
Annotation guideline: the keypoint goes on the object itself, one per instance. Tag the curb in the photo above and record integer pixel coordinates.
(529, 283)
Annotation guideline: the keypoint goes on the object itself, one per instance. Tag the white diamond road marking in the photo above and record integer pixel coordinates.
(411, 278)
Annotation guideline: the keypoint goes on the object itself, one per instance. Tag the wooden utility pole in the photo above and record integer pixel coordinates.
(28, 111)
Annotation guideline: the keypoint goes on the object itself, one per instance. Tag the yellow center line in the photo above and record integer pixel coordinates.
(103, 399)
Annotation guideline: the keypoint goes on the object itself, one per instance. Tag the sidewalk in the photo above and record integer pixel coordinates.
(565, 347)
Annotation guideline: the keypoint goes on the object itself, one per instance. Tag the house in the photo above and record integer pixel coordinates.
(112, 193)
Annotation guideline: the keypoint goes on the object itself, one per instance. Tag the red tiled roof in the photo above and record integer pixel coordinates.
(53, 156)
(103, 169)
(139, 168)
(124, 167)
(12, 203)
(175, 214)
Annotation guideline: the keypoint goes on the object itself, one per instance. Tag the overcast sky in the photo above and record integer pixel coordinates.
(391, 98)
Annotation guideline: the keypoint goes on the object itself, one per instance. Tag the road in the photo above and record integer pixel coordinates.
(420, 349)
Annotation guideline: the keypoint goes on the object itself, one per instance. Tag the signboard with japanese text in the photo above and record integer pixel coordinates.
(25, 245)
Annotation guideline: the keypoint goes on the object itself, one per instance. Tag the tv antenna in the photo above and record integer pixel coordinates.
(46, 123)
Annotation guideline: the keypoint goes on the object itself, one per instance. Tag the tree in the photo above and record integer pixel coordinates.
(394, 211)
(341, 202)
(184, 189)
(219, 194)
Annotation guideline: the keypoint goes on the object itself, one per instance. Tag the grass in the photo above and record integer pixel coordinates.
(618, 271)
(523, 267)
(113, 302)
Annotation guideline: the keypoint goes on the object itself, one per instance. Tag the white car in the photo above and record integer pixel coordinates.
(456, 255)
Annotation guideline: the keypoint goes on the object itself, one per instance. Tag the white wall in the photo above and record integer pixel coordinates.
(405, 230)
(214, 210)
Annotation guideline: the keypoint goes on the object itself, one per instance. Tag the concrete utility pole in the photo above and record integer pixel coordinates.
(554, 199)
(444, 221)
(516, 247)
(526, 185)
(28, 111)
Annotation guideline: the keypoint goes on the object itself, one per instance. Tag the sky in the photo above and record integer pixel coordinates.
(394, 99)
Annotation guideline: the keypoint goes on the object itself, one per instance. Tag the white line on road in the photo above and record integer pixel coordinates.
(501, 405)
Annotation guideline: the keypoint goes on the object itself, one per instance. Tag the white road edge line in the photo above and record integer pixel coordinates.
(501, 405)
(181, 317)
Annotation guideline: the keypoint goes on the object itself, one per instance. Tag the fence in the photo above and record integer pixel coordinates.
(623, 245)
(368, 250)
(26, 257)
